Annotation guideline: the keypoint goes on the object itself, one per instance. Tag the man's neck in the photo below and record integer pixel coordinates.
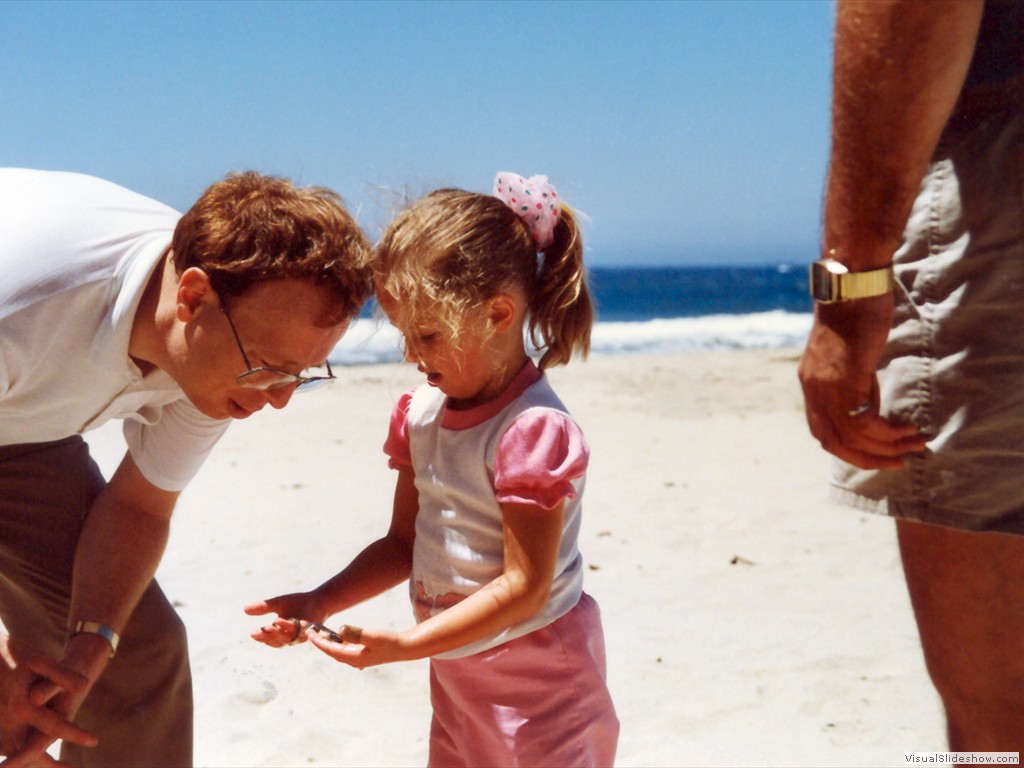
(155, 313)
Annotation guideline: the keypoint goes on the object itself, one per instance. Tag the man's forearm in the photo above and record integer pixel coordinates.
(118, 552)
(899, 67)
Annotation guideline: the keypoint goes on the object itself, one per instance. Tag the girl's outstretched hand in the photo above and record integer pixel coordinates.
(286, 628)
(361, 648)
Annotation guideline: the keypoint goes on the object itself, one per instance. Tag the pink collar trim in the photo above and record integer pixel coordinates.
(526, 378)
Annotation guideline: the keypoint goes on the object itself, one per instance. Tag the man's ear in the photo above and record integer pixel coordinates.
(502, 311)
(194, 290)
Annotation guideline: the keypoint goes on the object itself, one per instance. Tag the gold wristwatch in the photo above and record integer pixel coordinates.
(832, 282)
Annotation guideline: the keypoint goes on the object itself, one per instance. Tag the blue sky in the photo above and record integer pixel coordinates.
(686, 132)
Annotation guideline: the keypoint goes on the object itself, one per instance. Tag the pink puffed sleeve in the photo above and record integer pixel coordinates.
(397, 444)
(538, 458)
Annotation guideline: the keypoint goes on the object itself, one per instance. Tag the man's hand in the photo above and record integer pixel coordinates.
(840, 383)
(27, 724)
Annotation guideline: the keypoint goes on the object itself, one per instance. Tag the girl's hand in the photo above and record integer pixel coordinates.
(281, 632)
(361, 648)
(294, 612)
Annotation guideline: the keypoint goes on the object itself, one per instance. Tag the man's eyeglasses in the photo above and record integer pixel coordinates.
(265, 378)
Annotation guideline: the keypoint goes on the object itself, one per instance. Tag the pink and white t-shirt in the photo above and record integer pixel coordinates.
(522, 447)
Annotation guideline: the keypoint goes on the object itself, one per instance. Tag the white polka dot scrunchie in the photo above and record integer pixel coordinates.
(534, 200)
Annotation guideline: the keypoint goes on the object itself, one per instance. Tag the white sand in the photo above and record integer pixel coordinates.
(748, 621)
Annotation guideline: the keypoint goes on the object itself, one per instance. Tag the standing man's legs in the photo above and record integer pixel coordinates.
(967, 590)
(141, 708)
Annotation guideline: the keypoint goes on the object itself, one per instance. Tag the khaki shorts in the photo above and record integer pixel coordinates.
(141, 708)
(954, 364)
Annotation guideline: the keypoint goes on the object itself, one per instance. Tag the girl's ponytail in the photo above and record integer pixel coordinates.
(561, 311)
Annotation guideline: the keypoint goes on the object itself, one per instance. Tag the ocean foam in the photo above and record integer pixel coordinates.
(372, 341)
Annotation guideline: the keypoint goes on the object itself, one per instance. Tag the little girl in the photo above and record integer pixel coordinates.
(487, 501)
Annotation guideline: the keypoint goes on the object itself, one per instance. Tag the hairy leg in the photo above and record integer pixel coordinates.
(967, 590)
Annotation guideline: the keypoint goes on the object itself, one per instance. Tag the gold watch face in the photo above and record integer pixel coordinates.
(823, 282)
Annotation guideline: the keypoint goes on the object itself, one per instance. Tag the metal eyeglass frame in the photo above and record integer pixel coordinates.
(283, 378)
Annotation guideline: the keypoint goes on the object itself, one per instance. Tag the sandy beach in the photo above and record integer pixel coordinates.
(748, 620)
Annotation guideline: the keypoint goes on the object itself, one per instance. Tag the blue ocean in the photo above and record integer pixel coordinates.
(660, 309)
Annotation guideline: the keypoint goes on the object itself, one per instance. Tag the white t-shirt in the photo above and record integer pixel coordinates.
(522, 447)
(76, 254)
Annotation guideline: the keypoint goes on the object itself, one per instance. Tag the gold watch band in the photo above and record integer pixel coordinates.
(832, 282)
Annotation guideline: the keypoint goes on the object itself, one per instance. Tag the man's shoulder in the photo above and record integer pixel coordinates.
(60, 231)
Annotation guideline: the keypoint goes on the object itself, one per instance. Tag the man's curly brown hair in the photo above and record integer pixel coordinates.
(250, 228)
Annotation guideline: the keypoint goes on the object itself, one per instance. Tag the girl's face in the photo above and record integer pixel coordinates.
(470, 368)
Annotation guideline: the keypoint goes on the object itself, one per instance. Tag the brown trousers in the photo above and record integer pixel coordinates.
(141, 708)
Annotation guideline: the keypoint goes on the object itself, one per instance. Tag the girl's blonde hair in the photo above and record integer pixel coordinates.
(452, 250)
